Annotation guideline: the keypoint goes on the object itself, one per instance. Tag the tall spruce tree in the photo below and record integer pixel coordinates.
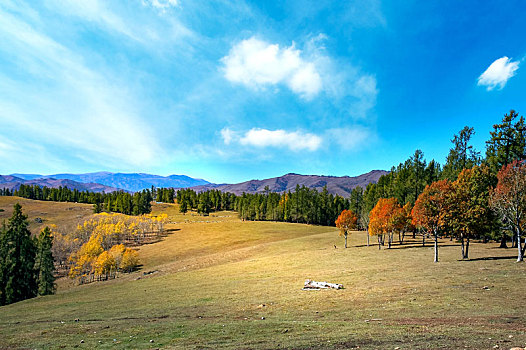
(507, 142)
(44, 265)
(18, 251)
(3, 255)
(461, 156)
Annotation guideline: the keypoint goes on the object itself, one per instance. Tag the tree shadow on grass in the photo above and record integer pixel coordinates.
(429, 244)
(491, 258)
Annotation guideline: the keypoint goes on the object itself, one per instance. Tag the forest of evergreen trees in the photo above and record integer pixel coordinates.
(26, 263)
(137, 203)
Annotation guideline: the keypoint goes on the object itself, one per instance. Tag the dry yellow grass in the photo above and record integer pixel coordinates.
(58, 213)
(231, 284)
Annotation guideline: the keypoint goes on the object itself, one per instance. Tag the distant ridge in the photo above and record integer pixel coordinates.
(132, 182)
(336, 185)
(13, 183)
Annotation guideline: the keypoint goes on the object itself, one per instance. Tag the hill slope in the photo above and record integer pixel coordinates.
(13, 182)
(220, 283)
(127, 181)
(336, 185)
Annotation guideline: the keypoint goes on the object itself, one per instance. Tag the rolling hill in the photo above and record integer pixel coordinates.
(336, 185)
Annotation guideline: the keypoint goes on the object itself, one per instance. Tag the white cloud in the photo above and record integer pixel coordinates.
(257, 64)
(295, 140)
(309, 73)
(498, 73)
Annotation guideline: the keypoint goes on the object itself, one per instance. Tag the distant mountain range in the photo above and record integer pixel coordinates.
(127, 181)
(336, 185)
(109, 182)
(13, 183)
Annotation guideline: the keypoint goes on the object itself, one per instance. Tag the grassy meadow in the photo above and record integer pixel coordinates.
(218, 282)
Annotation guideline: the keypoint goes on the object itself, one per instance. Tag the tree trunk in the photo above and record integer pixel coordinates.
(345, 239)
(503, 241)
(436, 245)
(400, 237)
(379, 243)
(389, 239)
(462, 245)
(466, 256)
(414, 234)
(367, 231)
(423, 239)
(520, 256)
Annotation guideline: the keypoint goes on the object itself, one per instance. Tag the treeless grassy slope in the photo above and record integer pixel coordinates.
(223, 283)
(58, 213)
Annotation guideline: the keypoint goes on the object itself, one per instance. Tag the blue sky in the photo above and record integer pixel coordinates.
(235, 90)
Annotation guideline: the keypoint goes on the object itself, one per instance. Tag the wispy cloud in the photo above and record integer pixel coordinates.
(350, 138)
(61, 101)
(261, 138)
(498, 73)
(257, 64)
(161, 5)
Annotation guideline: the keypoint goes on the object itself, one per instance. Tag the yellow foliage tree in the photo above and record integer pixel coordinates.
(130, 260)
(105, 265)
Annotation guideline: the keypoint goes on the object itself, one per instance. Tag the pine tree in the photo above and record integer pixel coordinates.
(508, 141)
(18, 251)
(461, 156)
(44, 265)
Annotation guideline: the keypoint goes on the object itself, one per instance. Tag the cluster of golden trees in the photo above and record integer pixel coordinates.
(96, 249)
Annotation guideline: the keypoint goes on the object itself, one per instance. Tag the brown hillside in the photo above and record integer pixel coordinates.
(336, 185)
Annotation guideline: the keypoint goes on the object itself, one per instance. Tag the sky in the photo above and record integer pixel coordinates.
(230, 91)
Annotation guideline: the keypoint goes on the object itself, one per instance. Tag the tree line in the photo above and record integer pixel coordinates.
(204, 202)
(137, 203)
(478, 204)
(470, 197)
(26, 263)
(304, 205)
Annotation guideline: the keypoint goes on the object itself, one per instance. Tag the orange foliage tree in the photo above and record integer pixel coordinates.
(509, 201)
(385, 218)
(346, 222)
(431, 209)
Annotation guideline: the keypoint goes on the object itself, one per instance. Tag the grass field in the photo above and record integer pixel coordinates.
(218, 282)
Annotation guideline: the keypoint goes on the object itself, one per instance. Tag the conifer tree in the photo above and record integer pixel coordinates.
(44, 265)
(18, 260)
(508, 141)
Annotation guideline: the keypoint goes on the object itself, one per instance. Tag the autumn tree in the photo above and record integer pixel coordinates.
(104, 265)
(470, 214)
(84, 260)
(346, 222)
(509, 200)
(130, 260)
(383, 219)
(364, 222)
(431, 208)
